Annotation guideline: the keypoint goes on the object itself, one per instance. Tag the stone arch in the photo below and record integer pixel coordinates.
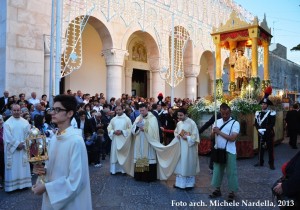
(96, 37)
(206, 75)
(143, 54)
(103, 31)
(226, 75)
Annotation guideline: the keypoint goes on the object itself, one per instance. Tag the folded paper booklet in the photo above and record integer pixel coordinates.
(140, 124)
(184, 133)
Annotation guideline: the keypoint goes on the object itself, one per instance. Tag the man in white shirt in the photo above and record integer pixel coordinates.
(97, 106)
(225, 138)
(33, 100)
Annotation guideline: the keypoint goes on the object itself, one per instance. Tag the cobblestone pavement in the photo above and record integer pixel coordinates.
(123, 192)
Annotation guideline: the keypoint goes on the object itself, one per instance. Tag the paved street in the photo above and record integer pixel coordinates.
(123, 192)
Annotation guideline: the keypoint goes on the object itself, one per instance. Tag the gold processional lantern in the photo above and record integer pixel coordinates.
(36, 148)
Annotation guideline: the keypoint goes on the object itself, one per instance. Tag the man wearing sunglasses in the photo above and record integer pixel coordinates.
(67, 183)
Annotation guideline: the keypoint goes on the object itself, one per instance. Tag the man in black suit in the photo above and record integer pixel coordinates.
(292, 120)
(157, 113)
(84, 124)
(3, 101)
(105, 120)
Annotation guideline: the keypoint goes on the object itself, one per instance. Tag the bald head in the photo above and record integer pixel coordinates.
(16, 111)
(6, 94)
(33, 95)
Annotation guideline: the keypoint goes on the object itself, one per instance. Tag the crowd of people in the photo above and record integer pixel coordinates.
(144, 137)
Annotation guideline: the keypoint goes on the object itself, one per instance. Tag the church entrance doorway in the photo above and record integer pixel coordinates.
(139, 83)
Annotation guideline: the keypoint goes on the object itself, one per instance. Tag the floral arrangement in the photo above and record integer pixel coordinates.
(255, 84)
(244, 106)
(204, 105)
(238, 106)
(219, 88)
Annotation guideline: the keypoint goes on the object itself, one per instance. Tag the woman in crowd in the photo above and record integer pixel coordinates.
(30, 108)
(7, 110)
(44, 100)
(22, 98)
(27, 117)
(87, 109)
(170, 125)
(15, 99)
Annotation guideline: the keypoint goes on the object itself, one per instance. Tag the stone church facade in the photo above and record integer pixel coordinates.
(124, 47)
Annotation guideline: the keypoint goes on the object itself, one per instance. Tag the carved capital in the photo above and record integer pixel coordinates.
(191, 70)
(47, 43)
(114, 56)
(128, 72)
(154, 64)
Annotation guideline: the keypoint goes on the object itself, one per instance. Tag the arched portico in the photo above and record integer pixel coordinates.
(93, 71)
(205, 77)
(143, 55)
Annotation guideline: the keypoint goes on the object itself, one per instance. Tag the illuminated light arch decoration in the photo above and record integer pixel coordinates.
(173, 75)
(71, 59)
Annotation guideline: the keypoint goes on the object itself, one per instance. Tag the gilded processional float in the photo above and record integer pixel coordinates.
(235, 37)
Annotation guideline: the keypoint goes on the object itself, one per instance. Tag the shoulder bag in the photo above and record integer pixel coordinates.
(219, 155)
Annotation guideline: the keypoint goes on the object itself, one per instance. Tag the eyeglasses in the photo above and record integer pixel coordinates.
(56, 110)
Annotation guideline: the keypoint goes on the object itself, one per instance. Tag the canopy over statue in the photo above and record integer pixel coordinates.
(237, 35)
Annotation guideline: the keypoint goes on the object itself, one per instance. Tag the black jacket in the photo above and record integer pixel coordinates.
(87, 127)
(292, 119)
(209, 122)
(291, 186)
(2, 105)
(268, 123)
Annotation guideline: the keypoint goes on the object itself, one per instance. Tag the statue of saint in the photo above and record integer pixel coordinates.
(241, 69)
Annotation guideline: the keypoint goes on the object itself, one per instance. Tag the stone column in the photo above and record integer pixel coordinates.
(232, 59)
(217, 41)
(47, 74)
(191, 72)
(149, 84)
(254, 57)
(266, 60)
(158, 84)
(218, 62)
(47, 67)
(128, 80)
(253, 34)
(114, 62)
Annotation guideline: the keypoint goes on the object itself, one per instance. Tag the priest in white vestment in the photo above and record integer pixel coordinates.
(17, 168)
(188, 165)
(144, 154)
(67, 181)
(119, 131)
(152, 160)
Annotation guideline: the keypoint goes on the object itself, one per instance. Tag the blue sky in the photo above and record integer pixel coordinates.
(283, 16)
